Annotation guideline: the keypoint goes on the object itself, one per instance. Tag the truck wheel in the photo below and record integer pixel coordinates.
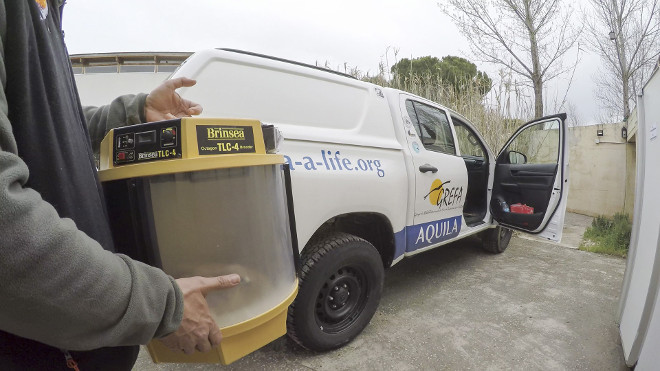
(341, 281)
(496, 240)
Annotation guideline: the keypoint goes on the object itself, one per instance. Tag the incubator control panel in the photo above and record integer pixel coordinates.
(147, 142)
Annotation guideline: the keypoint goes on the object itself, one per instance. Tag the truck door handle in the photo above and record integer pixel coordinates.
(426, 168)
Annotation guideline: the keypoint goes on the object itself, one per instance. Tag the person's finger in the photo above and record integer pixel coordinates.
(188, 346)
(203, 345)
(194, 109)
(215, 336)
(180, 82)
(169, 116)
(216, 283)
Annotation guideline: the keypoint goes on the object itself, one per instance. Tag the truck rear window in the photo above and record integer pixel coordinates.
(432, 127)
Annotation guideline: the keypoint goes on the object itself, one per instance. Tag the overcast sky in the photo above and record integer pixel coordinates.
(356, 32)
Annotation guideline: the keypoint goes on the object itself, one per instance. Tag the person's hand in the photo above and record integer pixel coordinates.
(164, 103)
(198, 330)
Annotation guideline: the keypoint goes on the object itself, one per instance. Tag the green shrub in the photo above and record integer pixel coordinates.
(608, 235)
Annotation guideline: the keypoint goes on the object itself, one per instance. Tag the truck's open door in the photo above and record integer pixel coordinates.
(530, 184)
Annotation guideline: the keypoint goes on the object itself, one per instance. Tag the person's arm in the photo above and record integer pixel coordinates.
(59, 286)
(123, 111)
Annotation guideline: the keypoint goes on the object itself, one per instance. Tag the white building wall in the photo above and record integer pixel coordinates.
(97, 89)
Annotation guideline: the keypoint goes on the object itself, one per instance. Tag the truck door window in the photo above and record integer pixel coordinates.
(432, 127)
(468, 141)
(538, 144)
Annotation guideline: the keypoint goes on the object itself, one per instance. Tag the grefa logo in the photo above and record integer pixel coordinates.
(437, 190)
(441, 195)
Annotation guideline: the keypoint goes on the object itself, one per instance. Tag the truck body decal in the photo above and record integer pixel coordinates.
(330, 161)
(426, 234)
(399, 243)
(444, 197)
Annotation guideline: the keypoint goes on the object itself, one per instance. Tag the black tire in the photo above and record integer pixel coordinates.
(341, 282)
(496, 240)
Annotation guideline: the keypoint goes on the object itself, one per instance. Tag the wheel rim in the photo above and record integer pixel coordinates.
(504, 236)
(341, 299)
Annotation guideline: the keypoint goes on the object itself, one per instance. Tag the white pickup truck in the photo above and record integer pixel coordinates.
(379, 175)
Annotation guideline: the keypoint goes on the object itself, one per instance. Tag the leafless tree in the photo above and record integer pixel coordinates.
(574, 118)
(626, 35)
(528, 36)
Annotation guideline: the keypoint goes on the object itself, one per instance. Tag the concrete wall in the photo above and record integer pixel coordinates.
(631, 167)
(601, 171)
(631, 175)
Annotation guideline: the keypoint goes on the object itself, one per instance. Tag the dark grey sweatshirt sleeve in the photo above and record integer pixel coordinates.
(125, 110)
(59, 286)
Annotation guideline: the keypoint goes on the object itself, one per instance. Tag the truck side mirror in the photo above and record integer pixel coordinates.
(517, 158)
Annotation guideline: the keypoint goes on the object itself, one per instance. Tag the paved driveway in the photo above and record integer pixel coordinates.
(537, 306)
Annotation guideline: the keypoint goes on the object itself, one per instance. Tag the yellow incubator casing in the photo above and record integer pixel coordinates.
(201, 197)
